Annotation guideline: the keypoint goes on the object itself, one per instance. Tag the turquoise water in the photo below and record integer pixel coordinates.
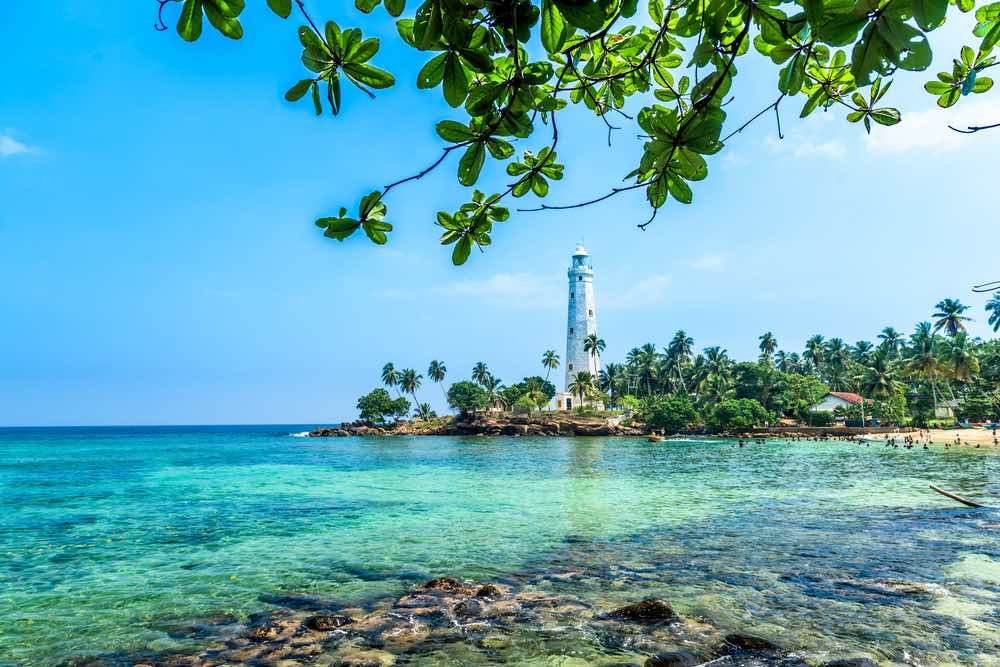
(116, 540)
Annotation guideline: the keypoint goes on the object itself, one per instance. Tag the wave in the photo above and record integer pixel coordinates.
(303, 434)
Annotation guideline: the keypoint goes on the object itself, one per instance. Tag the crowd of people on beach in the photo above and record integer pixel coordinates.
(923, 438)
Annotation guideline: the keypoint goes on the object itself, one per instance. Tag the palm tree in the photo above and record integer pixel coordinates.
(390, 376)
(923, 361)
(550, 360)
(494, 388)
(878, 380)
(409, 382)
(815, 352)
(582, 384)
(768, 344)
(949, 316)
(594, 346)
(960, 358)
(480, 374)
(423, 411)
(861, 351)
(679, 352)
(892, 340)
(610, 378)
(436, 372)
(993, 307)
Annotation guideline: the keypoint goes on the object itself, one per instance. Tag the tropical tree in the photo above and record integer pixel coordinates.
(377, 406)
(409, 382)
(480, 373)
(768, 344)
(424, 412)
(949, 316)
(436, 371)
(390, 377)
(550, 360)
(923, 361)
(993, 308)
(815, 353)
(960, 359)
(494, 392)
(610, 379)
(593, 346)
(582, 384)
(879, 379)
(467, 397)
(509, 67)
(892, 340)
(679, 354)
(861, 351)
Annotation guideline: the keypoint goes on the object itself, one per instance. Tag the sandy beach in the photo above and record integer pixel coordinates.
(968, 436)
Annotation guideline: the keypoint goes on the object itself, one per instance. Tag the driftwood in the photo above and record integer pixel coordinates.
(960, 499)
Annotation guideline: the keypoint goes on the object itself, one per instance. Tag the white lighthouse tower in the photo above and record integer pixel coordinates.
(580, 323)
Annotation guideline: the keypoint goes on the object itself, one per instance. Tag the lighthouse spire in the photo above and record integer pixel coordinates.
(582, 317)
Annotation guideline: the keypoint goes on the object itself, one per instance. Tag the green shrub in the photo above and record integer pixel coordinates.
(467, 397)
(820, 418)
(672, 413)
(737, 414)
(376, 406)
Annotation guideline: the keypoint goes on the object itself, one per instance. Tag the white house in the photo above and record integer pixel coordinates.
(838, 399)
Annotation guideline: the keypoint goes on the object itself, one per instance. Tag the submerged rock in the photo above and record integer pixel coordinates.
(851, 662)
(676, 659)
(742, 642)
(327, 622)
(650, 610)
(369, 658)
(449, 584)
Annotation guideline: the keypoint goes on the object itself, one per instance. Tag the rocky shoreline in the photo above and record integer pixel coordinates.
(543, 425)
(486, 618)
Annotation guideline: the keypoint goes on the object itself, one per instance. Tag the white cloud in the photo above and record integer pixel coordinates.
(11, 146)
(649, 291)
(928, 130)
(709, 262)
(515, 290)
(801, 145)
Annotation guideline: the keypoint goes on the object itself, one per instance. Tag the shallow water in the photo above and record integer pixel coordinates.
(116, 540)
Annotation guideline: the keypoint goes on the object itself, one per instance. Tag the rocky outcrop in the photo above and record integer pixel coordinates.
(650, 610)
(554, 424)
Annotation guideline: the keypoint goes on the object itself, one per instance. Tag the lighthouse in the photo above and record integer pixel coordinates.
(581, 322)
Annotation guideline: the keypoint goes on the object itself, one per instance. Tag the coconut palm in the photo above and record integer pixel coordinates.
(879, 378)
(423, 411)
(594, 346)
(993, 308)
(949, 316)
(409, 382)
(610, 379)
(679, 353)
(550, 360)
(861, 351)
(390, 377)
(436, 372)
(923, 361)
(480, 373)
(960, 359)
(768, 344)
(815, 352)
(892, 341)
(494, 390)
(582, 384)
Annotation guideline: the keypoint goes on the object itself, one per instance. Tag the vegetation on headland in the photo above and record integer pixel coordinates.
(907, 379)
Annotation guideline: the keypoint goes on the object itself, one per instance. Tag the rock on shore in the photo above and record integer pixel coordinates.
(555, 424)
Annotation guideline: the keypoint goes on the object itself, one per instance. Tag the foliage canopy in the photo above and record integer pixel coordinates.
(508, 67)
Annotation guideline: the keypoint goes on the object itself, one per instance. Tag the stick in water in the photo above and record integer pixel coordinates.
(960, 499)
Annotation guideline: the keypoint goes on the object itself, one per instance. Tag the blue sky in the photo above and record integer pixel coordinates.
(160, 263)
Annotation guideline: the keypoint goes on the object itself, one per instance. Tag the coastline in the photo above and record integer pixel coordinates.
(546, 424)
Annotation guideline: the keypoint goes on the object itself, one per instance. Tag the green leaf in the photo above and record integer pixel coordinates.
(462, 250)
(369, 75)
(432, 73)
(453, 131)
(282, 8)
(395, 7)
(553, 27)
(929, 13)
(949, 98)
(367, 6)
(471, 164)
(189, 23)
(297, 91)
(456, 82)
(227, 25)
(886, 116)
(427, 25)
(317, 105)
(936, 87)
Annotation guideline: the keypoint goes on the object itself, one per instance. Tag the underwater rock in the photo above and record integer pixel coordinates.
(676, 659)
(368, 658)
(449, 584)
(490, 591)
(650, 610)
(742, 642)
(851, 662)
(327, 622)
